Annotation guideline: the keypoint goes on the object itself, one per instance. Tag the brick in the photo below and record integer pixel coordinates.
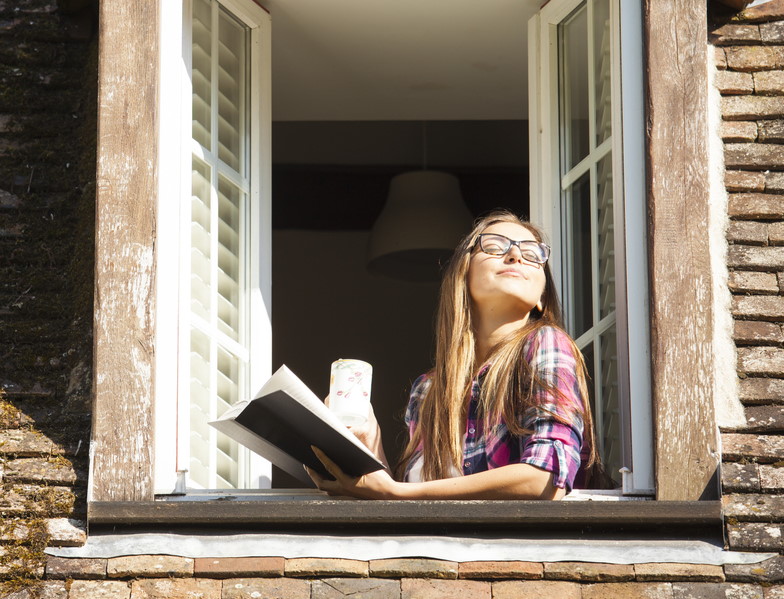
(735, 34)
(769, 83)
(681, 590)
(755, 58)
(764, 418)
(628, 590)
(761, 360)
(755, 536)
(171, 588)
(771, 477)
(583, 571)
(85, 568)
(736, 446)
(501, 570)
(743, 180)
(537, 589)
(751, 332)
(418, 588)
(753, 507)
(50, 589)
(740, 477)
(753, 282)
(772, 33)
(770, 570)
(266, 588)
(238, 567)
(53, 471)
(747, 232)
(734, 83)
(762, 307)
(774, 182)
(756, 258)
(149, 565)
(758, 390)
(41, 500)
(719, 58)
(417, 568)
(104, 589)
(65, 532)
(756, 205)
(776, 233)
(767, 11)
(307, 566)
(738, 132)
(773, 592)
(667, 572)
(24, 442)
(751, 108)
(772, 131)
(359, 588)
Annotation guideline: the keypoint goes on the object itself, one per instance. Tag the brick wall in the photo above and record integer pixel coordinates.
(47, 141)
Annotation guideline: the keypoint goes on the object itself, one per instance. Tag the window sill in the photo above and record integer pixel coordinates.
(310, 511)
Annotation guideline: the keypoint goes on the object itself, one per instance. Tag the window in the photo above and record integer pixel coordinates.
(580, 195)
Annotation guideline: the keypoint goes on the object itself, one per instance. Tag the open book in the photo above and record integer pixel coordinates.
(285, 420)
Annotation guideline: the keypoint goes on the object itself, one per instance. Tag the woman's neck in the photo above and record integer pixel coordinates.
(491, 329)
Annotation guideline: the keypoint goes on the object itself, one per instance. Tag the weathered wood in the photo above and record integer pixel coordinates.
(122, 462)
(431, 515)
(680, 270)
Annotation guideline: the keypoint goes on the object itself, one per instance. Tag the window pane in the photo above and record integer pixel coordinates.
(578, 255)
(200, 410)
(228, 393)
(200, 240)
(606, 242)
(609, 421)
(602, 69)
(573, 41)
(231, 71)
(230, 271)
(201, 73)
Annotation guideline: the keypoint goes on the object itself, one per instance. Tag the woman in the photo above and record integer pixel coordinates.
(504, 414)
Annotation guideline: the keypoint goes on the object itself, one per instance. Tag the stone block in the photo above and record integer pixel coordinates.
(65, 532)
(765, 448)
(738, 132)
(755, 258)
(756, 205)
(238, 567)
(500, 570)
(771, 478)
(266, 588)
(536, 589)
(774, 182)
(747, 232)
(761, 307)
(772, 33)
(740, 477)
(413, 567)
(755, 58)
(103, 589)
(57, 471)
(83, 568)
(769, 83)
(751, 108)
(752, 282)
(766, 361)
(41, 500)
(752, 332)
(719, 58)
(133, 566)
(772, 131)
(744, 180)
(773, 592)
(776, 233)
(762, 13)
(761, 390)
(755, 536)
(764, 419)
(172, 588)
(753, 507)
(734, 83)
(419, 588)
(24, 443)
(667, 572)
(768, 571)
(306, 567)
(733, 33)
(628, 590)
(696, 590)
(356, 588)
(588, 572)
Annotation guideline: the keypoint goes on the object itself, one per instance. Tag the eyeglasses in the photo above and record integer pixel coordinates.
(498, 245)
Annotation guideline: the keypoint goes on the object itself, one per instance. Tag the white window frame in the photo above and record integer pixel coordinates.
(175, 151)
(630, 239)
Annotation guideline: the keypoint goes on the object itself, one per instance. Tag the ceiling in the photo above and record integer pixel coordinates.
(376, 60)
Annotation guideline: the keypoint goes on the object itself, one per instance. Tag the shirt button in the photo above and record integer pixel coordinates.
(466, 464)
(472, 430)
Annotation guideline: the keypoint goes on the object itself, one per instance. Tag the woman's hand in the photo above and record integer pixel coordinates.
(374, 485)
(369, 434)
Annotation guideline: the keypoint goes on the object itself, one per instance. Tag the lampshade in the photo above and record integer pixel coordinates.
(422, 221)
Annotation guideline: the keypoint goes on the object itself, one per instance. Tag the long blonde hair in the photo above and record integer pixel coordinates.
(509, 386)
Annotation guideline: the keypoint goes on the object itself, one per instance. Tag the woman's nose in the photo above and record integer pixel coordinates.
(514, 254)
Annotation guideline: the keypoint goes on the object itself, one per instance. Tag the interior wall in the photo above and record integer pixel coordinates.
(327, 306)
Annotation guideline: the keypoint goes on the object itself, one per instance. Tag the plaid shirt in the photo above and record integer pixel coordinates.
(552, 446)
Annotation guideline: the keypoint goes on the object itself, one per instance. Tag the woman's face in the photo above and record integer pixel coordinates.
(507, 282)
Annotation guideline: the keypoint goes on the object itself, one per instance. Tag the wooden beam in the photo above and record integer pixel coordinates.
(681, 306)
(126, 199)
